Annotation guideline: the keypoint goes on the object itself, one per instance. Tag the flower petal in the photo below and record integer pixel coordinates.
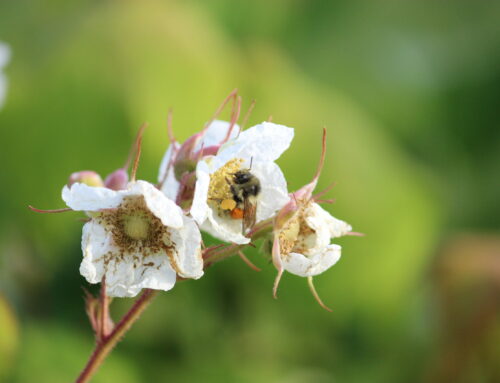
(90, 198)
(126, 274)
(263, 142)
(274, 194)
(199, 207)
(225, 229)
(319, 219)
(162, 207)
(186, 258)
(170, 186)
(272, 198)
(308, 266)
(153, 272)
(216, 133)
(96, 242)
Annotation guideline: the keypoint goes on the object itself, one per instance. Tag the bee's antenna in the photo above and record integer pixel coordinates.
(251, 161)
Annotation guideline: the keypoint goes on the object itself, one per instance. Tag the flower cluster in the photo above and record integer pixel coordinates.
(224, 181)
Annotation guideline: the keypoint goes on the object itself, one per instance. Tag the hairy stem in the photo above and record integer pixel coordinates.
(106, 344)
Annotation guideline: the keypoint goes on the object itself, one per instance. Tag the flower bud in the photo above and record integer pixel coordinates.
(87, 177)
(186, 190)
(183, 166)
(118, 180)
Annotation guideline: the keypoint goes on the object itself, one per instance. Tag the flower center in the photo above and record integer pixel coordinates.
(135, 229)
(136, 225)
(289, 234)
(296, 236)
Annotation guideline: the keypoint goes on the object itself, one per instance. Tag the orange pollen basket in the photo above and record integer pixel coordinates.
(237, 213)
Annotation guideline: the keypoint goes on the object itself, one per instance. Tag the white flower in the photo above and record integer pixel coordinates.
(254, 150)
(303, 231)
(136, 238)
(212, 136)
(305, 248)
(4, 59)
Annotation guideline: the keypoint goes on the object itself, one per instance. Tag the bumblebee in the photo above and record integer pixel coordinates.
(245, 188)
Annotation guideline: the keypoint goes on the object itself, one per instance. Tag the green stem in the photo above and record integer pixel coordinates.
(105, 345)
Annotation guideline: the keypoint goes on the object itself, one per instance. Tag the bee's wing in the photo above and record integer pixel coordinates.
(249, 214)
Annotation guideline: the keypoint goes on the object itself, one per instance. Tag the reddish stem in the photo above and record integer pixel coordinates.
(106, 344)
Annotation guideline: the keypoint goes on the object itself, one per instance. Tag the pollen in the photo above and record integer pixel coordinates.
(228, 204)
(135, 229)
(219, 188)
(305, 238)
(237, 213)
(289, 234)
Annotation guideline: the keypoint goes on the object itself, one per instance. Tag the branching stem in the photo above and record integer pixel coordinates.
(106, 344)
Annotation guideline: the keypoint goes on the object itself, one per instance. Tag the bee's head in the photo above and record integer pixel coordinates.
(242, 176)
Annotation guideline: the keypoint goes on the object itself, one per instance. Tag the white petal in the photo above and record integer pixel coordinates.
(90, 198)
(317, 221)
(199, 208)
(263, 142)
(274, 194)
(153, 272)
(216, 133)
(317, 218)
(310, 266)
(187, 258)
(162, 207)
(96, 242)
(126, 274)
(170, 186)
(224, 228)
(273, 197)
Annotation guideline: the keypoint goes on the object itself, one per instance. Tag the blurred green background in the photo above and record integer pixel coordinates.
(409, 94)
